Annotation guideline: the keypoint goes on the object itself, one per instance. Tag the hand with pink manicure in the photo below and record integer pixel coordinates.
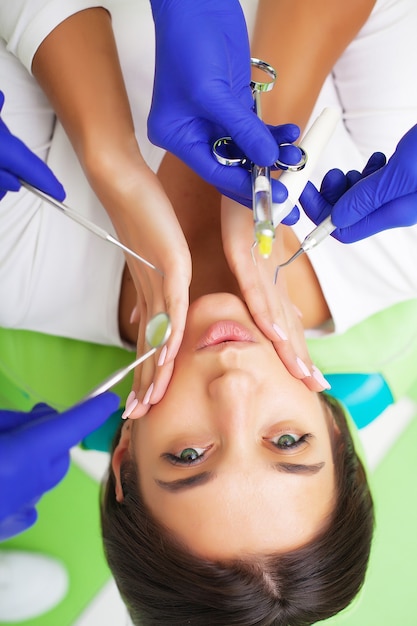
(151, 378)
(268, 304)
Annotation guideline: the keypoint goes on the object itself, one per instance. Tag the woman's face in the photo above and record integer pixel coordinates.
(236, 459)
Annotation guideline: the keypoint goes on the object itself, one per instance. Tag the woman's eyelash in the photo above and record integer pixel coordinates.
(288, 445)
(192, 456)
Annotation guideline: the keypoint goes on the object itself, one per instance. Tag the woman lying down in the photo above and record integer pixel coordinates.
(239, 498)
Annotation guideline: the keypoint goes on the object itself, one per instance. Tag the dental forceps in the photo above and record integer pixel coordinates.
(311, 241)
(80, 219)
(227, 153)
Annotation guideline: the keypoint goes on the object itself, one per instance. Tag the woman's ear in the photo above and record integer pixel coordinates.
(118, 457)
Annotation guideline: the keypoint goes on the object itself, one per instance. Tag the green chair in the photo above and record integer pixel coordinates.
(373, 369)
(41, 368)
(373, 364)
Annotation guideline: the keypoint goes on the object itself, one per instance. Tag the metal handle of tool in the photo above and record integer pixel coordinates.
(325, 228)
(116, 377)
(83, 221)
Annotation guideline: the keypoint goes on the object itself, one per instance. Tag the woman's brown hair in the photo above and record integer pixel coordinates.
(163, 584)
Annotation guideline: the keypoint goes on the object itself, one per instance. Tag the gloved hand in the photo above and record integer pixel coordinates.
(17, 161)
(34, 454)
(201, 92)
(384, 196)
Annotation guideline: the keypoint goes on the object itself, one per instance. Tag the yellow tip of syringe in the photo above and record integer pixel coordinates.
(264, 241)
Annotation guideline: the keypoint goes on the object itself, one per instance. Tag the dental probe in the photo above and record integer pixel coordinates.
(311, 241)
(80, 219)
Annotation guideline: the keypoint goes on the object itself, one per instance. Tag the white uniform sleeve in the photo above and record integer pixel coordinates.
(371, 84)
(24, 24)
(56, 277)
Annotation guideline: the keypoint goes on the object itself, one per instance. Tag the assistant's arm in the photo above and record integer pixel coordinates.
(77, 66)
(303, 41)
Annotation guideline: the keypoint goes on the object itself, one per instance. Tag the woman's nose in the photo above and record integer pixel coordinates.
(233, 390)
(234, 402)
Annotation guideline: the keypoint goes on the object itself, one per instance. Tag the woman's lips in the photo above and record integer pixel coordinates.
(221, 332)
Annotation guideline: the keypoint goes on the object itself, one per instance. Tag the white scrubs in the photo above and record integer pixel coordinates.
(57, 278)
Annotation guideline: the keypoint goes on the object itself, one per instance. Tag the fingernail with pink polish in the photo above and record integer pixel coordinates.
(320, 378)
(148, 394)
(303, 367)
(132, 319)
(131, 403)
(280, 332)
(297, 310)
(162, 356)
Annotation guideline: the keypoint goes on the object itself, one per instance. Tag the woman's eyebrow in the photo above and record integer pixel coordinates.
(203, 478)
(298, 468)
(186, 483)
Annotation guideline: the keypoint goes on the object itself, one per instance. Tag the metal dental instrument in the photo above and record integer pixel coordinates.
(223, 148)
(311, 241)
(158, 330)
(97, 230)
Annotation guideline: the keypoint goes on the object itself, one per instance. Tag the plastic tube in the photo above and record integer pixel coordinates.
(314, 142)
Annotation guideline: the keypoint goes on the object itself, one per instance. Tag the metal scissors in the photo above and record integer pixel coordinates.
(227, 153)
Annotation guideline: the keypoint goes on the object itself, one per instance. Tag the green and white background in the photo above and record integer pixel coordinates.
(37, 368)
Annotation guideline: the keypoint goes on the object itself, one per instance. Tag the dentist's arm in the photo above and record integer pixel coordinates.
(303, 40)
(202, 92)
(34, 455)
(383, 196)
(77, 66)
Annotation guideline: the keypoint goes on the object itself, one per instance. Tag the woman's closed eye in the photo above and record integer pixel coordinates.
(187, 456)
(289, 441)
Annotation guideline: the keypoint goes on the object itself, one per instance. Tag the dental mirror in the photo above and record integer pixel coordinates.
(158, 331)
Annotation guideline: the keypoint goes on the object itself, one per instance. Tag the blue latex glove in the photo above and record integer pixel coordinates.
(201, 93)
(34, 454)
(383, 196)
(17, 161)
